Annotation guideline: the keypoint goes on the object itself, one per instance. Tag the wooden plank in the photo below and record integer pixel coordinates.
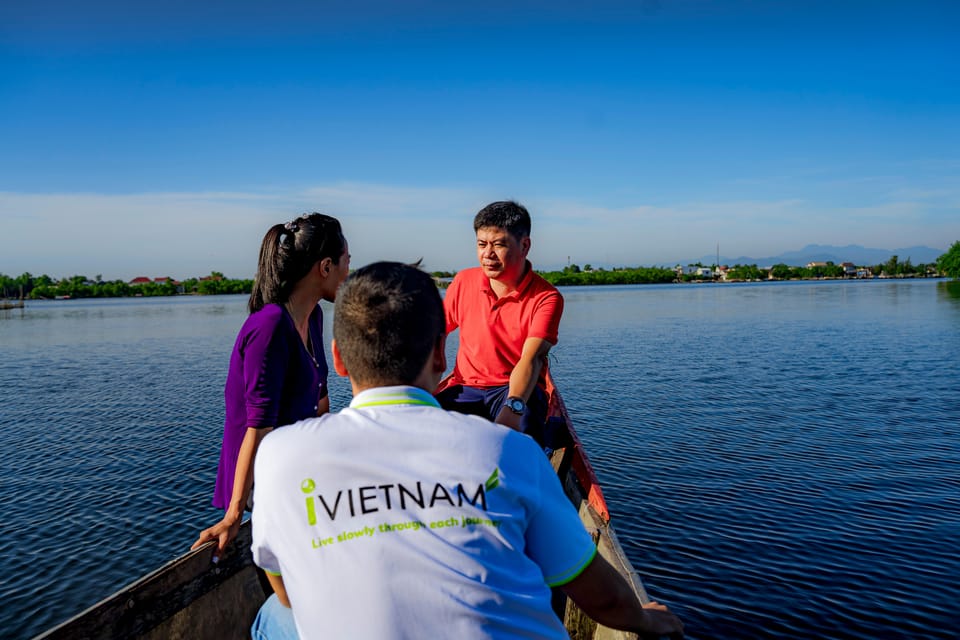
(189, 597)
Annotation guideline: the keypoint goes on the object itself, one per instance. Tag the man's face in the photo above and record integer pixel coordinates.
(502, 257)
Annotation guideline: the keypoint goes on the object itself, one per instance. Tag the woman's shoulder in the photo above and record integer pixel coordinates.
(267, 318)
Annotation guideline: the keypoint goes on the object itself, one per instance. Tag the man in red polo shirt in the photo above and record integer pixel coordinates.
(508, 318)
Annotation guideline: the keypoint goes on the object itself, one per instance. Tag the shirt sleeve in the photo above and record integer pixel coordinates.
(266, 356)
(546, 318)
(556, 538)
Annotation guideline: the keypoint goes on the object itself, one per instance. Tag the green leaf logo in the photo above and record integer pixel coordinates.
(493, 481)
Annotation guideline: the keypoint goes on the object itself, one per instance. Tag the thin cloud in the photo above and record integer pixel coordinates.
(184, 234)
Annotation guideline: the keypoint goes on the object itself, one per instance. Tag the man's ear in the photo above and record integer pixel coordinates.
(440, 355)
(338, 365)
(525, 244)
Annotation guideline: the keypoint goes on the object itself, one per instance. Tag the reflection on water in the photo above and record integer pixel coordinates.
(949, 289)
(780, 459)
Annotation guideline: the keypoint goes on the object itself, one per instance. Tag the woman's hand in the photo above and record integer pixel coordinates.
(226, 530)
(223, 533)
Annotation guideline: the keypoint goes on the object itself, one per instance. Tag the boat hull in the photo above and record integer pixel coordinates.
(190, 597)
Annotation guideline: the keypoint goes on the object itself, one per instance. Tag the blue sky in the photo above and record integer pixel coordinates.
(163, 138)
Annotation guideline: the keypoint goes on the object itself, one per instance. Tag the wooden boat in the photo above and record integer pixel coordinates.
(190, 597)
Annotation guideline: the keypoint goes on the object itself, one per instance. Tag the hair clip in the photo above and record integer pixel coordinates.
(292, 227)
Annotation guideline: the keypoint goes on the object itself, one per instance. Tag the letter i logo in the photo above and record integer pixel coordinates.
(307, 486)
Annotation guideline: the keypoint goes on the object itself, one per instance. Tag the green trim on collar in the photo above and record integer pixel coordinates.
(388, 396)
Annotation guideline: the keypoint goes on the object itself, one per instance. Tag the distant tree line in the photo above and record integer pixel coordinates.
(45, 287)
(41, 287)
(949, 263)
(893, 268)
(574, 275)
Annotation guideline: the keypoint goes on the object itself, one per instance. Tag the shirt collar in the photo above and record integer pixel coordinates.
(388, 396)
(522, 286)
(527, 278)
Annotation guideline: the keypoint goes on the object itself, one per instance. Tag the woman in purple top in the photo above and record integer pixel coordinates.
(278, 374)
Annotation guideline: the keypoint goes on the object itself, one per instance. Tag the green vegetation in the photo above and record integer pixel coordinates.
(573, 275)
(893, 268)
(44, 287)
(949, 263)
(746, 272)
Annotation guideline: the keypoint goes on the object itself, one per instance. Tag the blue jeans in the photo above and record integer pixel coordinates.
(274, 622)
(487, 402)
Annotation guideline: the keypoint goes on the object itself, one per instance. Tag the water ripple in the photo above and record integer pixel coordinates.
(794, 473)
(781, 461)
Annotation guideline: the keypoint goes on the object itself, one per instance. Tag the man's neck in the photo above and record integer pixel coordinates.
(503, 288)
(426, 381)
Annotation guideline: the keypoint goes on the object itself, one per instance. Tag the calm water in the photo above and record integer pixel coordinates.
(782, 460)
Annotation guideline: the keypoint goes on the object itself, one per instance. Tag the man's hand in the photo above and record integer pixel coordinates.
(508, 418)
(604, 595)
(223, 533)
(661, 621)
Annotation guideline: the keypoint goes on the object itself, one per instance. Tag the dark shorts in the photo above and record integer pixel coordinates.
(486, 402)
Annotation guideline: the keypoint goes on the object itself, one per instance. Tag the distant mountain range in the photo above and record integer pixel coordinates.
(856, 254)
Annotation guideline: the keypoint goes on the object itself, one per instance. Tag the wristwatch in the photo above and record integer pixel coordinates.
(516, 405)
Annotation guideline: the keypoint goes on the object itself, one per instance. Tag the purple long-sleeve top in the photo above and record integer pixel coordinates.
(273, 381)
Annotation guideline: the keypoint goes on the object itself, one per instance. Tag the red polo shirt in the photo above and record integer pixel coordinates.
(493, 330)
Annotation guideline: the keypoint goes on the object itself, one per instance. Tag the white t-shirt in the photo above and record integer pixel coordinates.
(396, 519)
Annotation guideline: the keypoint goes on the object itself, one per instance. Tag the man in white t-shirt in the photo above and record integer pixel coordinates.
(396, 519)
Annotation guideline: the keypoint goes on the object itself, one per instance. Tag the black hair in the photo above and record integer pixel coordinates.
(289, 251)
(506, 214)
(389, 318)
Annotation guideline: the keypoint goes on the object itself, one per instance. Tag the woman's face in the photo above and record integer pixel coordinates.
(338, 273)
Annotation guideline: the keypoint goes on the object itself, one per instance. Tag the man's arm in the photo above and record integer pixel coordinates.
(276, 581)
(604, 595)
(524, 378)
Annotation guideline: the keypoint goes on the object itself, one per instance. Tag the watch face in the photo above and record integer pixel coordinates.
(516, 405)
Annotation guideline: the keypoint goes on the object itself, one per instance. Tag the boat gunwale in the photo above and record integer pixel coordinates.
(149, 601)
